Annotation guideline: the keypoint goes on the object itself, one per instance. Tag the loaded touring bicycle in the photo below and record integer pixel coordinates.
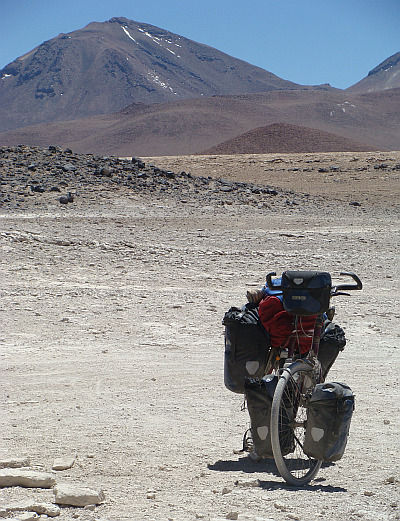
(296, 417)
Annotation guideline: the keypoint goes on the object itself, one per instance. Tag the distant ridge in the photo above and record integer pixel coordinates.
(287, 138)
(193, 125)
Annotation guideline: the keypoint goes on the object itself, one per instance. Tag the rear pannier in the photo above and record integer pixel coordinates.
(330, 408)
(259, 395)
(247, 346)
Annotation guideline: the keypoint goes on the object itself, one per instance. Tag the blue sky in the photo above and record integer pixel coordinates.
(305, 41)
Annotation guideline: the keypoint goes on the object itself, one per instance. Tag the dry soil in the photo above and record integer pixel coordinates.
(112, 343)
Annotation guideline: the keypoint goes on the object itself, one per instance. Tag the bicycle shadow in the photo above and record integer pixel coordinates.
(268, 466)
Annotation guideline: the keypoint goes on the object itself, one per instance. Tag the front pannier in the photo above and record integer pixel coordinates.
(329, 411)
(332, 342)
(306, 293)
(247, 346)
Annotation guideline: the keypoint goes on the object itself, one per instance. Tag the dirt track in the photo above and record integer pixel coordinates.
(112, 344)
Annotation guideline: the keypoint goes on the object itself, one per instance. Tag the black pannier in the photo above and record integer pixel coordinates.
(259, 394)
(330, 408)
(247, 346)
(306, 293)
(332, 342)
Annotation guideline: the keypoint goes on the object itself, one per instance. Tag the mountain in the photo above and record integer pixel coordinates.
(284, 138)
(106, 66)
(385, 76)
(194, 125)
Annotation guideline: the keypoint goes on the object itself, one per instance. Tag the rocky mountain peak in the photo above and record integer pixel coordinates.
(386, 65)
(106, 66)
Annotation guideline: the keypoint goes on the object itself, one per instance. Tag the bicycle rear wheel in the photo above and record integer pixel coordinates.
(288, 425)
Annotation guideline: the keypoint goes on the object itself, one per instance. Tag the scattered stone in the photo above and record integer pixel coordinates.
(38, 188)
(282, 508)
(151, 494)
(226, 490)
(355, 203)
(368, 493)
(390, 479)
(77, 496)
(63, 463)
(48, 509)
(232, 515)
(26, 478)
(24, 461)
(106, 172)
(381, 166)
(65, 199)
(89, 507)
(27, 517)
(248, 484)
(68, 167)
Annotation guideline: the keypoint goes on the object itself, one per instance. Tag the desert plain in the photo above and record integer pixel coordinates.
(112, 341)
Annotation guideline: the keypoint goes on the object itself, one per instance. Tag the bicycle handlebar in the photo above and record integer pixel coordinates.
(335, 289)
(269, 281)
(358, 284)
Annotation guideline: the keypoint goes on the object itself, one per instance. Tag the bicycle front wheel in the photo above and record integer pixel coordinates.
(288, 425)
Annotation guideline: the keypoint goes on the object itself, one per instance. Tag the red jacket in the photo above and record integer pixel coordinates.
(280, 324)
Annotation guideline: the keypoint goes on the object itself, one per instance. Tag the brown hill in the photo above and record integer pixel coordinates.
(106, 66)
(190, 126)
(285, 138)
(385, 76)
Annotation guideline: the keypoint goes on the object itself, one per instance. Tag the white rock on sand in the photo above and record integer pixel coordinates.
(26, 478)
(63, 463)
(13, 462)
(77, 496)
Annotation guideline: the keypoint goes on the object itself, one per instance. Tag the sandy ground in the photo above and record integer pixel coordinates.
(112, 344)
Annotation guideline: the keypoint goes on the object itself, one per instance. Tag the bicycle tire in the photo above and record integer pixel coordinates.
(288, 425)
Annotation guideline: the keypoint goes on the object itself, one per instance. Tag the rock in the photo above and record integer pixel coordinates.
(355, 203)
(282, 508)
(27, 517)
(26, 478)
(248, 484)
(77, 496)
(63, 463)
(47, 509)
(106, 172)
(65, 199)
(15, 462)
(69, 167)
(38, 188)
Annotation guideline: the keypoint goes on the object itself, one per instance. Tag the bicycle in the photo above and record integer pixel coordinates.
(299, 375)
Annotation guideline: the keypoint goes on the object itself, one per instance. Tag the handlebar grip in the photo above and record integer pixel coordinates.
(269, 282)
(358, 284)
